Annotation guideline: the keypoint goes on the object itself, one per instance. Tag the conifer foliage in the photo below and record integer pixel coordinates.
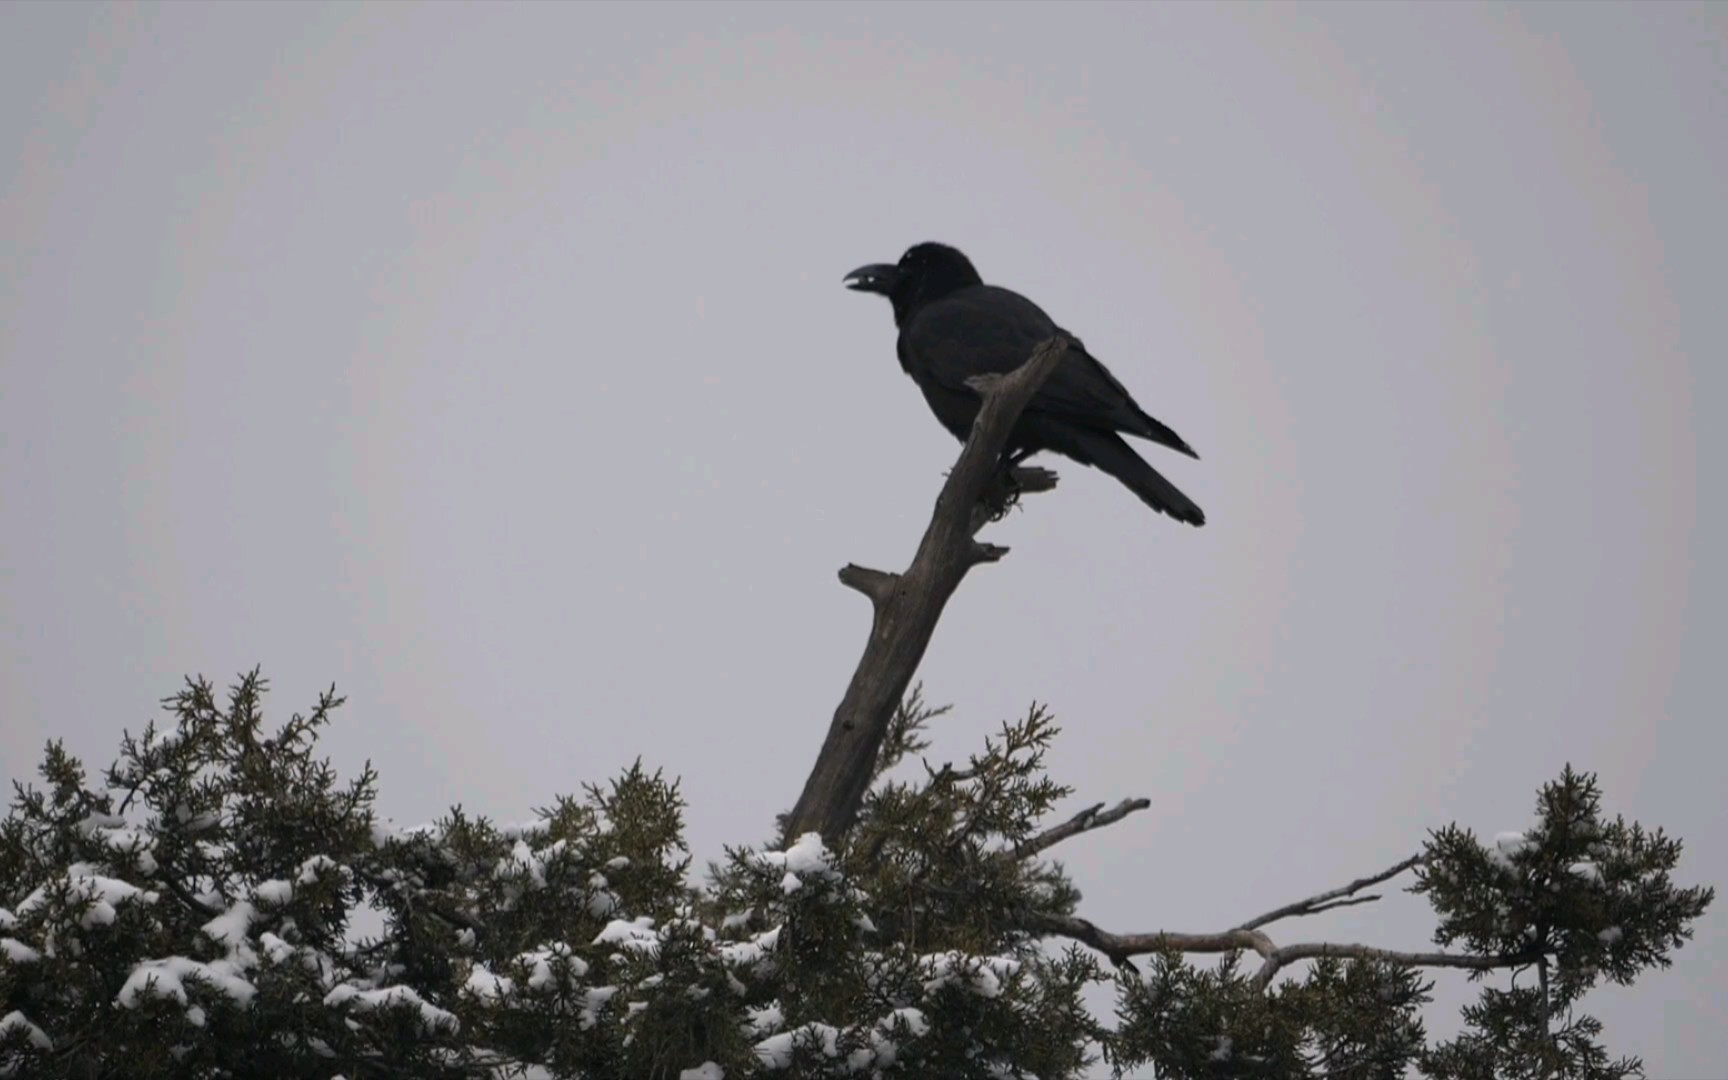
(220, 903)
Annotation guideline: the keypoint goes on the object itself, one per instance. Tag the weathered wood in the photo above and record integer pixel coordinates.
(907, 606)
(1122, 948)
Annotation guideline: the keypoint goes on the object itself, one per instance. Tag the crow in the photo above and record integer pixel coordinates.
(954, 327)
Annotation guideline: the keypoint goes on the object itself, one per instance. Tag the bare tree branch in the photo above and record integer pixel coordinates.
(1289, 954)
(1120, 948)
(1330, 899)
(905, 616)
(1093, 817)
(1350, 902)
(1001, 493)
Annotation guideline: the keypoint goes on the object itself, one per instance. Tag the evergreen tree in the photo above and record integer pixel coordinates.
(221, 904)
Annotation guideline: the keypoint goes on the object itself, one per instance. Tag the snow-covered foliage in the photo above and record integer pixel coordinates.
(199, 912)
(221, 904)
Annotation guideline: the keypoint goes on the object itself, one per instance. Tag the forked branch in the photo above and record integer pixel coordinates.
(1121, 948)
(1093, 817)
(1334, 898)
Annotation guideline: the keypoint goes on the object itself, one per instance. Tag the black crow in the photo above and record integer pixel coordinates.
(954, 327)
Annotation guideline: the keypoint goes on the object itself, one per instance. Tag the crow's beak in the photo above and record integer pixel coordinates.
(876, 278)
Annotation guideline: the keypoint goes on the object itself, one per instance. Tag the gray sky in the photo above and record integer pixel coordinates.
(493, 363)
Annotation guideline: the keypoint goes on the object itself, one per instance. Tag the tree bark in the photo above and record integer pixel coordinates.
(908, 605)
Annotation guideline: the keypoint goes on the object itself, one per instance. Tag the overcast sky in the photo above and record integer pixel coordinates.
(493, 364)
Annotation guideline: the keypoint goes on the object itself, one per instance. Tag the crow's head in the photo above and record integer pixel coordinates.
(926, 272)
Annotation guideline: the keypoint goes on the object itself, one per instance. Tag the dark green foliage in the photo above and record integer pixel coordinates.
(1593, 894)
(939, 852)
(1351, 1021)
(1508, 1040)
(222, 904)
(1591, 897)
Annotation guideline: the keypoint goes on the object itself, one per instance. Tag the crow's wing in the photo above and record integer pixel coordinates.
(989, 330)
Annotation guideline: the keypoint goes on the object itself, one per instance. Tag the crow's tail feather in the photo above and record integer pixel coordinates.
(1107, 451)
(1164, 435)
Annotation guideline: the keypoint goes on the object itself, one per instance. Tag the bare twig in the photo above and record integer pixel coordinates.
(906, 615)
(1093, 817)
(1368, 898)
(1332, 898)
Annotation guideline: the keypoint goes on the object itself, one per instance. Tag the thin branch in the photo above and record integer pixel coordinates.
(949, 773)
(1332, 898)
(1248, 936)
(1120, 948)
(1289, 954)
(1093, 817)
(1348, 902)
(905, 617)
